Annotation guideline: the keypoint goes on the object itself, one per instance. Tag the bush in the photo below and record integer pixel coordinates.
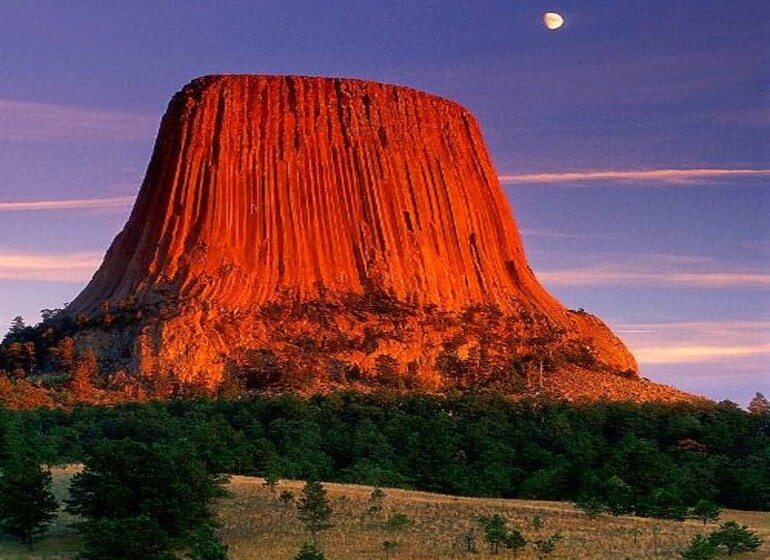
(397, 521)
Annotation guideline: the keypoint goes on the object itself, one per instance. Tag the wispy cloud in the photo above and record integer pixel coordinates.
(25, 121)
(529, 232)
(646, 177)
(698, 342)
(696, 354)
(652, 270)
(115, 201)
(608, 276)
(48, 267)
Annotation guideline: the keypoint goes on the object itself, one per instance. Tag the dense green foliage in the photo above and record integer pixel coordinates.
(645, 458)
(155, 496)
(27, 503)
(733, 538)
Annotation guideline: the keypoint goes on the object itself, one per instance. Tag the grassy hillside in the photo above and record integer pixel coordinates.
(257, 526)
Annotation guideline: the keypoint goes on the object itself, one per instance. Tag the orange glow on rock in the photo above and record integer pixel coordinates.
(265, 189)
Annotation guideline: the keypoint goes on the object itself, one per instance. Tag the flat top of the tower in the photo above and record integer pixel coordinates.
(351, 86)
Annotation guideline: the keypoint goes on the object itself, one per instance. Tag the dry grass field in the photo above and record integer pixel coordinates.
(258, 526)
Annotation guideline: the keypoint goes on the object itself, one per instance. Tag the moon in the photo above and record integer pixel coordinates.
(553, 20)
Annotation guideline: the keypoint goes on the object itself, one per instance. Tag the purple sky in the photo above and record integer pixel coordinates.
(632, 143)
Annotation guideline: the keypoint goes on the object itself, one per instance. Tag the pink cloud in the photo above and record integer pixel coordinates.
(48, 267)
(25, 121)
(656, 270)
(116, 201)
(666, 176)
(739, 341)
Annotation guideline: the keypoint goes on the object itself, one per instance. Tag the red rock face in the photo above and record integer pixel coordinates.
(269, 189)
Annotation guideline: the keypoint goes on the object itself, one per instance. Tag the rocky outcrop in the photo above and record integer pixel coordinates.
(355, 218)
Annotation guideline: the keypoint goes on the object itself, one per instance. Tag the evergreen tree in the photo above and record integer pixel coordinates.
(495, 531)
(735, 538)
(699, 548)
(314, 509)
(206, 545)
(125, 538)
(27, 503)
(544, 547)
(156, 496)
(619, 496)
(705, 511)
(514, 541)
(309, 552)
(759, 405)
(16, 331)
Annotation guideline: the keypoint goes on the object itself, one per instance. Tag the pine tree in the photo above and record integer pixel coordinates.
(206, 545)
(27, 503)
(156, 496)
(759, 405)
(514, 541)
(699, 548)
(309, 552)
(735, 538)
(705, 511)
(495, 531)
(314, 509)
(16, 331)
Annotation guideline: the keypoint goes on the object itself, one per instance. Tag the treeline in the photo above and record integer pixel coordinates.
(652, 456)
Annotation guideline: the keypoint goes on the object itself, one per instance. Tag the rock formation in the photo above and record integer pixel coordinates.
(334, 228)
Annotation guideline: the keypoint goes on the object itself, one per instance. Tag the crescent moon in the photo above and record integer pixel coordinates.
(553, 20)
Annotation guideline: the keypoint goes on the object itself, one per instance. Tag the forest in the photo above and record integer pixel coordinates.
(648, 459)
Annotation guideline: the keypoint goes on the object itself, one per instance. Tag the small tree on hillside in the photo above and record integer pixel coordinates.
(271, 481)
(375, 501)
(705, 511)
(514, 541)
(733, 538)
(495, 531)
(314, 509)
(309, 552)
(544, 547)
(699, 548)
(590, 505)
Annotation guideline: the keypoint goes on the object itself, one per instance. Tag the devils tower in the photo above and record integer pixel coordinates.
(314, 230)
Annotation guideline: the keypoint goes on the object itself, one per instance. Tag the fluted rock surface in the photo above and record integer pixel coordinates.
(277, 190)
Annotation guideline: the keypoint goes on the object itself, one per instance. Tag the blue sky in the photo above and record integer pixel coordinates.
(632, 143)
